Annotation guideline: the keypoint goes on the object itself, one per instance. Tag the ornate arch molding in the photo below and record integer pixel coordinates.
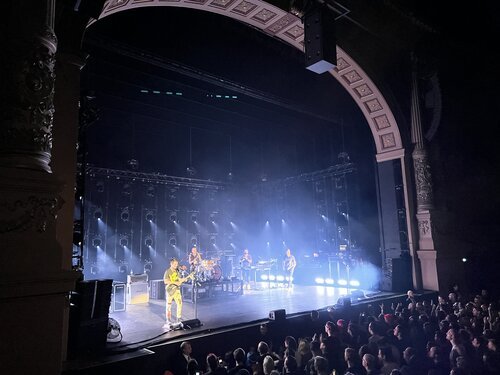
(288, 27)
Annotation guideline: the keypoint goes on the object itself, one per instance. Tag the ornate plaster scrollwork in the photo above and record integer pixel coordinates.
(423, 180)
(424, 228)
(28, 101)
(33, 212)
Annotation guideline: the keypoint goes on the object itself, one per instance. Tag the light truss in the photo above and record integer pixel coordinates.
(155, 178)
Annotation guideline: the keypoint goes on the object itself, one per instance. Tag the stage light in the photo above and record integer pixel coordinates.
(126, 189)
(194, 241)
(194, 218)
(94, 270)
(150, 191)
(354, 283)
(148, 266)
(124, 240)
(282, 221)
(267, 222)
(268, 244)
(123, 268)
(150, 216)
(97, 241)
(173, 217)
(213, 240)
(98, 214)
(125, 215)
(172, 241)
(272, 277)
(464, 260)
(280, 278)
(342, 282)
(264, 277)
(148, 241)
(100, 186)
(329, 281)
(319, 280)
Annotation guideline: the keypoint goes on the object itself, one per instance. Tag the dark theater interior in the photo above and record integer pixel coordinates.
(248, 187)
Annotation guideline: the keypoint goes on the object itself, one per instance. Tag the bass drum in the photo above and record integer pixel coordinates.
(216, 273)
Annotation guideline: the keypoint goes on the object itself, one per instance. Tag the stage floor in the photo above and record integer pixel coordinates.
(142, 324)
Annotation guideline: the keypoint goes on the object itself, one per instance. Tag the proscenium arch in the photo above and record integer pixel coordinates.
(283, 25)
(280, 24)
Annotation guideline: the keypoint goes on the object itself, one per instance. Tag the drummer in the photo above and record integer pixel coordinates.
(194, 259)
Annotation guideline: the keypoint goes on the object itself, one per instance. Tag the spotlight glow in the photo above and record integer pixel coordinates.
(264, 277)
(280, 278)
(354, 283)
(342, 282)
(329, 281)
(319, 280)
(272, 277)
(464, 260)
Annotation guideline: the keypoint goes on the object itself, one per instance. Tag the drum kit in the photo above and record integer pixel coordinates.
(208, 270)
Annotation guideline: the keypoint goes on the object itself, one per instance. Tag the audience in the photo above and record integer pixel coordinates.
(453, 335)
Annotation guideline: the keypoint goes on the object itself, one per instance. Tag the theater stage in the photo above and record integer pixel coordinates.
(142, 324)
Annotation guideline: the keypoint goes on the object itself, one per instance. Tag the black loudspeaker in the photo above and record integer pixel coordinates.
(344, 302)
(88, 318)
(277, 314)
(397, 275)
(319, 39)
(192, 323)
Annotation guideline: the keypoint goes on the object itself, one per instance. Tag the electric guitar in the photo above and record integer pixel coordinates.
(172, 288)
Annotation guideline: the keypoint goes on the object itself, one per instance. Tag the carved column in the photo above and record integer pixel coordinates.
(423, 184)
(26, 97)
(34, 285)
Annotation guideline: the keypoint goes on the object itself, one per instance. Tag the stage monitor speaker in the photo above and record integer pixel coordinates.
(192, 323)
(92, 299)
(88, 317)
(344, 302)
(277, 314)
(319, 40)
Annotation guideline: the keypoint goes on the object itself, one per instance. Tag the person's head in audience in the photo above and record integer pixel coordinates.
(315, 347)
(396, 372)
(303, 346)
(268, 365)
(350, 356)
(330, 328)
(290, 343)
(239, 356)
(193, 367)
(452, 336)
(408, 354)
(212, 362)
(186, 348)
(492, 345)
(321, 365)
(364, 349)
(314, 315)
(352, 329)
(385, 354)
(290, 365)
(263, 348)
(369, 362)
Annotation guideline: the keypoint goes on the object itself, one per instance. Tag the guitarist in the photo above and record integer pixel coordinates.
(173, 282)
